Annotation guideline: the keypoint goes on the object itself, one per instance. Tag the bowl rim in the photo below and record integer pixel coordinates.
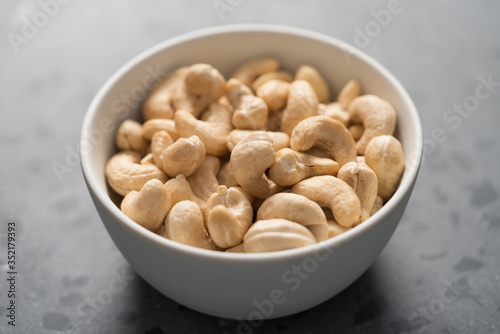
(404, 188)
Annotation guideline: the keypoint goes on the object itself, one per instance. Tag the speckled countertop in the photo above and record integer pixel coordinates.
(440, 273)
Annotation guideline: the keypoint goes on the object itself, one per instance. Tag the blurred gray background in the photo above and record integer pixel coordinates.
(440, 273)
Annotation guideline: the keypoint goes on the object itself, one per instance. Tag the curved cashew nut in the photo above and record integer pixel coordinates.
(279, 140)
(182, 157)
(249, 161)
(213, 132)
(329, 191)
(160, 102)
(229, 215)
(130, 137)
(159, 143)
(184, 224)
(316, 80)
(274, 93)
(250, 111)
(204, 182)
(351, 90)
(178, 189)
(379, 203)
(278, 75)
(124, 173)
(290, 167)
(327, 134)
(335, 111)
(384, 155)
(360, 159)
(203, 84)
(275, 235)
(250, 70)
(377, 115)
(301, 104)
(159, 124)
(189, 88)
(335, 229)
(148, 206)
(364, 182)
(298, 209)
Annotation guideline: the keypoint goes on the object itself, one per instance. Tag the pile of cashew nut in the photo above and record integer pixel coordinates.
(262, 162)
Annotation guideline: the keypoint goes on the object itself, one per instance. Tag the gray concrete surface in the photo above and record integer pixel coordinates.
(440, 273)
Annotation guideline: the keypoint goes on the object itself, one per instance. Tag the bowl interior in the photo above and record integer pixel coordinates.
(225, 48)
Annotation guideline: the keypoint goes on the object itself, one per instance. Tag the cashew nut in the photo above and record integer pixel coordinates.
(249, 160)
(327, 134)
(189, 88)
(159, 143)
(158, 124)
(250, 111)
(212, 131)
(384, 155)
(178, 189)
(350, 91)
(148, 206)
(130, 137)
(335, 229)
(316, 80)
(124, 173)
(182, 157)
(329, 191)
(377, 115)
(160, 102)
(249, 71)
(275, 235)
(229, 215)
(298, 209)
(379, 203)
(279, 75)
(203, 181)
(203, 84)
(290, 167)
(279, 139)
(301, 104)
(274, 93)
(360, 159)
(356, 131)
(184, 224)
(335, 111)
(364, 182)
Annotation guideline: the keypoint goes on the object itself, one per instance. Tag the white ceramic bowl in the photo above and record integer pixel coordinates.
(246, 286)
